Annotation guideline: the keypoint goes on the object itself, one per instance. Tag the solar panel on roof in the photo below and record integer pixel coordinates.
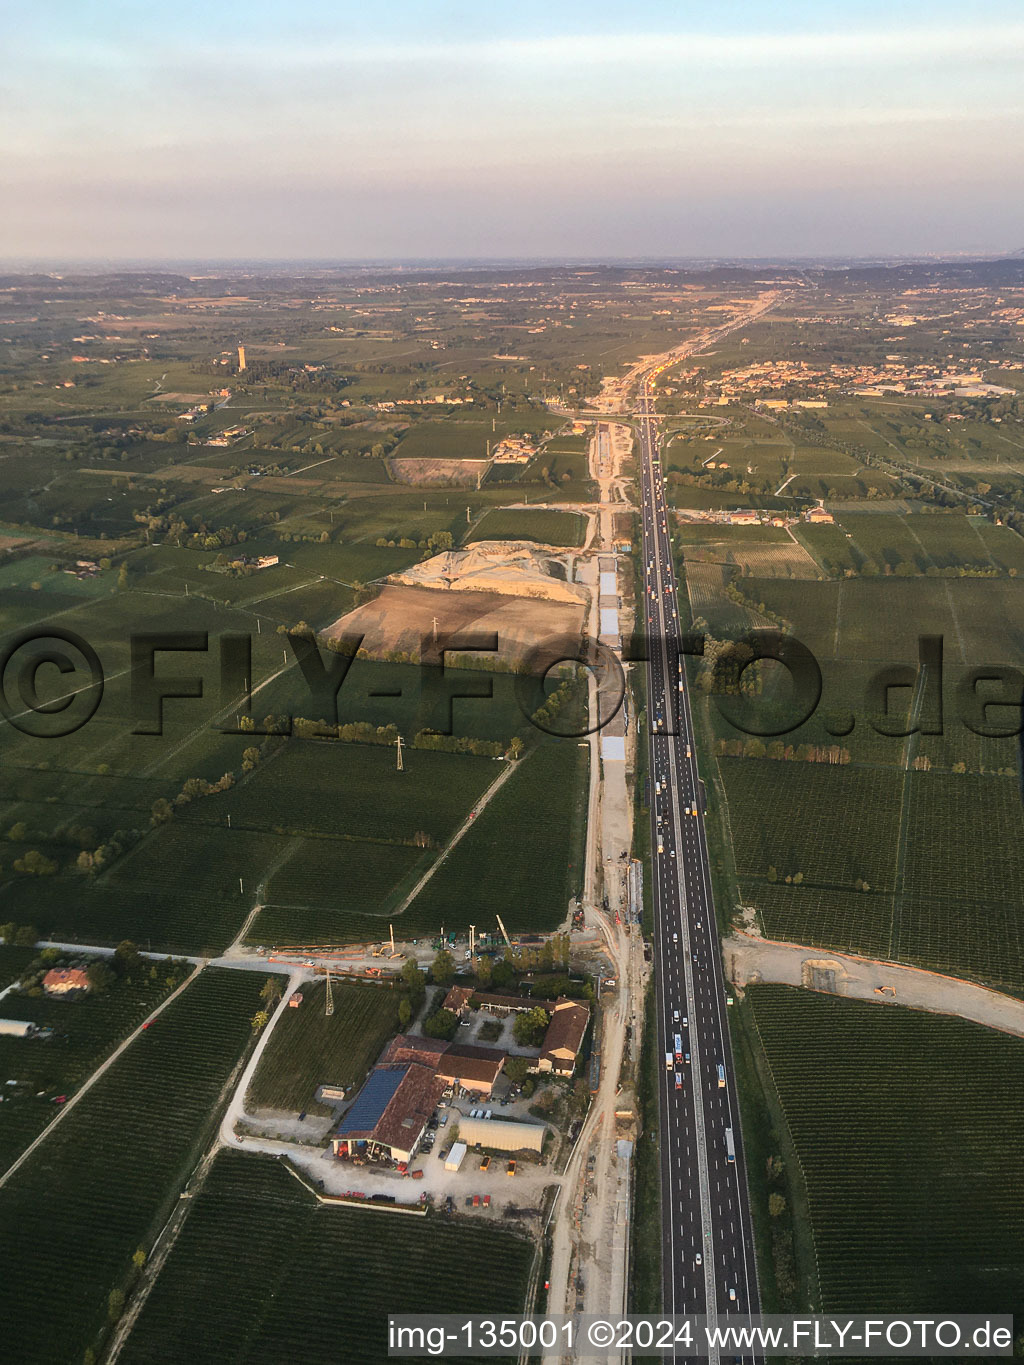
(369, 1105)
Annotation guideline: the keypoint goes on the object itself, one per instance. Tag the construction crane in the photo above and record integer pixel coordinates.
(504, 932)
(329, 998)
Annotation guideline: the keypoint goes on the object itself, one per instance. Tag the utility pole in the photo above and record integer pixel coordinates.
(434, 619)
(392, 928)
(329, 999)
(399, 766)
(241, 889)
(472, 940)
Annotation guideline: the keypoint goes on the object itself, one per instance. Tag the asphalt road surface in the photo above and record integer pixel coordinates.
(708, 1249)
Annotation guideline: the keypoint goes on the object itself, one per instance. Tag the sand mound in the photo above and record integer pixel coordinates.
(508, 568)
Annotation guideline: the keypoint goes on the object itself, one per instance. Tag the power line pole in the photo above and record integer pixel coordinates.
(399, 765)
(329, 1000)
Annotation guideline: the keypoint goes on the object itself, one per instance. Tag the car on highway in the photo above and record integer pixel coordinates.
(698, 1259)
(679, 1081)
(675, 1016)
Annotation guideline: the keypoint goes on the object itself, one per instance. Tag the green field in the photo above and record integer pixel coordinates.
(523, 858)
(910, 1148)
(341, 890)
(104, 1182)
(834, 825)
(369, 799)
(85, 1031)
(279, 1269)
(309, 1048)
(539, 524)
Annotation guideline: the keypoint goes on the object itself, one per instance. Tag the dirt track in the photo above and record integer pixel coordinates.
(750, 960)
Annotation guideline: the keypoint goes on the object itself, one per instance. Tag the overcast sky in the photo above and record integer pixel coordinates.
(327, 129)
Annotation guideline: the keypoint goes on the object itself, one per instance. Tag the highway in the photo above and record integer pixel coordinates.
(708, 1249)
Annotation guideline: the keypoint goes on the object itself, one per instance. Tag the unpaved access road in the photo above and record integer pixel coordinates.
(750, 960)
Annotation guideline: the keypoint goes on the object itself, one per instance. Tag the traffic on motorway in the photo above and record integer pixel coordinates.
(708, 1250)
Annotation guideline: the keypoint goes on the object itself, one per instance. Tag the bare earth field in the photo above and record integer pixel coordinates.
(424, 471)
(400, 617)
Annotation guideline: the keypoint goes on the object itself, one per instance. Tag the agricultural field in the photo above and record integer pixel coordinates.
(13, 961)
(85, 1031)
(414, 698)
(252, 1236)
(523, 858)
(309, 1048)
(907, 1147)
(539, 524)
(335, 891)
(823, 916)
(370, 799)
(110, 1173)
(834, 825)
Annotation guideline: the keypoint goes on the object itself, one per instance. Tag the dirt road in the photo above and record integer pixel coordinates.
(749, 959)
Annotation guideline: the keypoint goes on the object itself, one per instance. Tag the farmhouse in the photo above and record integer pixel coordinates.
(474, 1068)
(64, 980)
(389, 1115)
(564, 1038)
(457, 1000)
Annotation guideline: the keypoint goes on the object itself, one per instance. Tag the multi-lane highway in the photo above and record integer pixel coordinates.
(708, 1251)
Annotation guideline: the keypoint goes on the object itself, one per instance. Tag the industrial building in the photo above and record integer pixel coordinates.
(502, 1135)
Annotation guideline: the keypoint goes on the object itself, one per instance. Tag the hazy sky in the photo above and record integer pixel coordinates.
(323, 128)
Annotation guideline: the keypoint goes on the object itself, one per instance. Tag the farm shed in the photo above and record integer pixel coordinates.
(390, 1113)
(502, 1135)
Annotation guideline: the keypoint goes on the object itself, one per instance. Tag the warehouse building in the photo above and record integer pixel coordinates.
(502, 1135)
